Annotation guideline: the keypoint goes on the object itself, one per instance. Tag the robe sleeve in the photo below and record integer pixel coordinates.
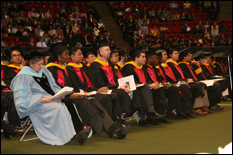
(128, 70)
(25, 96)
(186, 71)
(9, 74)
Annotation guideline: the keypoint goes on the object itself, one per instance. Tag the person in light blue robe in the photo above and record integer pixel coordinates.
(51, 121)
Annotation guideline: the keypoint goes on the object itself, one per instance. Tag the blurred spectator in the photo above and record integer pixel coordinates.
(206, 43)
(165, 45)
(59, 31)
(223, 37)
(100, 24)
(19, 22)
(207, 5)
(32, 13)
(46, 38)
(62, 14)
(213, 42)
(201, 26)
(223, 27)
(145, 20)
(214, 31)
(213, 15)
(222, 42)
(190, 43)
(159, 37)
(68, 8)
(151, 13)
(96, 31)
(197, 31)
(154, 31)
(122, 6)
(174, 45)
(4, 21)
(9, 30)
(47, 15)
(54, 39)
(38, 31)
(131, 20)
(145, 28)
(34, 23)
(144, 12)
(112, 44)
(229, 42)
(186, 28)
(31, 42)
(123, 22)
(155, 18)
(187, 5)
(136, 27)
(159, 12)
(206, 33)
(169, 16)
(66, 31)
(41, 42)
(6, 16)
(40, 15)
(86, 41)
(176, 17)
(52, 31)
(200, 40)
(183, 16)
(21, 15)
(174, 6)
(165, 11)
(181, 44)
(136, 10)
(163, 18)
(139, 31)
(79, 36)
(199, 5)
(128, 31)
(207, 25)
(191, 16)
(13, 9)
(46, 26)
(3, 30)
(14, 29)
(24, 37)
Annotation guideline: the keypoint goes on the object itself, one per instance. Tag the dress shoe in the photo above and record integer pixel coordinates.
(212, 108)
(190, 115)
(180, 116)
(165, 120)
(143, 124)
(154, 115)
(152, 121)
(199, 112)
(219, 107)
(121, 133)
(119, 121)
(204, 109)
(82, 135)
(17, 132)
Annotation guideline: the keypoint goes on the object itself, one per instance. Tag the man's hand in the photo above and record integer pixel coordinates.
(47, 100)
(190, 80)
(184, 82)
(76, 96)
(166, 85)
(60, 98)
(126, 88)
(103, 90)
(154, 85)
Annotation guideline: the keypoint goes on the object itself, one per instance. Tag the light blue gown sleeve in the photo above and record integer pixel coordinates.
(26, 97)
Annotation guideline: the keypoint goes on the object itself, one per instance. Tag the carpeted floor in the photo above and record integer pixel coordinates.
(201, 134)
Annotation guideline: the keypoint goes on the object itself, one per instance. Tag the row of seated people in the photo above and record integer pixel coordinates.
(157, 96)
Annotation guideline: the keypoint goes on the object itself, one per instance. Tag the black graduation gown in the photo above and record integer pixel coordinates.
(148, 96)
(91, 111)
(218, 69)
(109, 102)
(100, 79)
(172, 93)
(7, 74)
(196, 89)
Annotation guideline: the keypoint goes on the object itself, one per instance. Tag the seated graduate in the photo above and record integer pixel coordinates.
(185, 57)
(214, 92)
(155, 74)
(196, 89)
(33, 89)
(123, 58)
(152, 94)
(103, 75)
(90, 57)
(209, 72)
(91, 111)
(79, 78)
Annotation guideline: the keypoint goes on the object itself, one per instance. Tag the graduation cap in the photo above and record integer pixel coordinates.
(10, 49)
(220, 55)
(33, 54)
(136, 51)
(121, 52)
(207, 53)
(101, 43)
(197, 53)
(184, 53)
(159, 52)
(57, 45)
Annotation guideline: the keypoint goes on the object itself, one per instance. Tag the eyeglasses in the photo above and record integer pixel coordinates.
(15, 55)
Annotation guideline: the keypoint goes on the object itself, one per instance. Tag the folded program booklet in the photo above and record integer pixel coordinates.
(63, 92)
(87, 94)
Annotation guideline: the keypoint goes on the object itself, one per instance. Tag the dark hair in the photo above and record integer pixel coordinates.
(136, 55)
(201, 56)
(35, 60)
(58, 51)
(73, 51)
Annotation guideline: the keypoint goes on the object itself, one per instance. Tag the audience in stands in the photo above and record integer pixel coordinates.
(223, 27)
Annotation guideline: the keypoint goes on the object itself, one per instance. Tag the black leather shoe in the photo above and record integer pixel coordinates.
(121, 133)
(82, 135)
(178, 116)
(165, 120)
(143, 124)
(219, 107)
(152, 121)
(185, 116)
(190, 115)
(154, 115)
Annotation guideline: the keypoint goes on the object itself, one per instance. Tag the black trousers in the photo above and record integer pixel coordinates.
(214, 94)
(159, 98)
(186, 98)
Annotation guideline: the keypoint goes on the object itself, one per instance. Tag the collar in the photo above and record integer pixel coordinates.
(134, 64)
(101, 62)
(55, 64)
(149, 66)
(164, 64)
(182, 62)
(121, 66)
(206, 64)
(172, 61)
(2, 63)
(28, 71)
(157, 67)
(115, 67)
(75, 65)
(17, 67)
(88, 65)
